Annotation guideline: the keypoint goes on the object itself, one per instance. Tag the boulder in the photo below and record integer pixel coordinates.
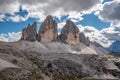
(29, 33)
(48, 30)
(70, 33)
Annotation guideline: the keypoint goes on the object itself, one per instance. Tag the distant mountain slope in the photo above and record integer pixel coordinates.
(98, 48)
(115, 46)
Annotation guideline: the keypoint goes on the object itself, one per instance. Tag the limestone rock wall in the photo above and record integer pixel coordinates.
(29, 33)
(70, 33)
(48, 33)
(48, 30)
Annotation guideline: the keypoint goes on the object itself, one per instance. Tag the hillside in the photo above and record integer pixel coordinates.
(53, 62)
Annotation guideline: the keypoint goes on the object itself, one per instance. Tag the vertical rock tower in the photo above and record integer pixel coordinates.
(29, 33)
(48, 30)
(70, 33)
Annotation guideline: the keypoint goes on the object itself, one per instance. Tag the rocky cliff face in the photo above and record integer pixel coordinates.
(84, 40)
(29, 33)
(48, 30)
(70, 33)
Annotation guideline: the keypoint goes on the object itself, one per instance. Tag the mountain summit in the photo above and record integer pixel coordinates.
(48, 30)
(70, 33)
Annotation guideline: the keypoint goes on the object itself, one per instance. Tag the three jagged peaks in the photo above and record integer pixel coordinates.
(48, 32)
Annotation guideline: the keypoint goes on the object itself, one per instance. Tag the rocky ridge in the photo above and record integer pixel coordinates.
(48, 32)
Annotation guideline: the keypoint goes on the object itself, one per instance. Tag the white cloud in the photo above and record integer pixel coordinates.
(14, 36)
(59, 7)
(110, 11)
(3, 37)
(10, 37)
(2, 16)
(89, 29)
(51, 6)
(112, 33)
(75, 16)
(104, 37)
(61, 25)
(17, 18)
(39, 9)
(9, 6)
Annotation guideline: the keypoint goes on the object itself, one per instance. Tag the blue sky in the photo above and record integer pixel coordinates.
(10, 26)
(94, 16)
(92, 20)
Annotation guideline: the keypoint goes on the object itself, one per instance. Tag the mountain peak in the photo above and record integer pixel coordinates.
(48, 30)
(70, 33)
(49, 17)
(29, 33)
(70, 23)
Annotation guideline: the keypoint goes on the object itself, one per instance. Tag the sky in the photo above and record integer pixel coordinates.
(97, 19)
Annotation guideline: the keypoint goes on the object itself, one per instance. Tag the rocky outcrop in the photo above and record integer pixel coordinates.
(29, 33)
(70, 33)
(48, 30)
(84, 40)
